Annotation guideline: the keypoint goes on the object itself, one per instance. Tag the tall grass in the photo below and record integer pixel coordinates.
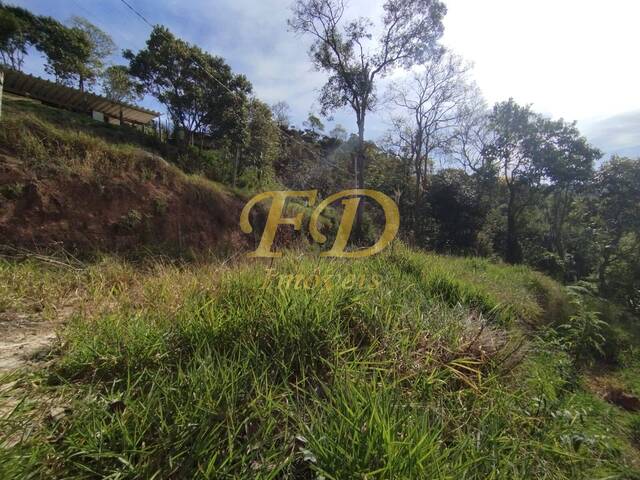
(48, 149)
(204, 371)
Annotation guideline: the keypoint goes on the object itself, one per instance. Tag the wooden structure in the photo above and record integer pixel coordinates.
(61, 96)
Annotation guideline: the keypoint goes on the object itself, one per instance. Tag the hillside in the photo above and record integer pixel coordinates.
(456, 289)
(402, 365)
(67, 181)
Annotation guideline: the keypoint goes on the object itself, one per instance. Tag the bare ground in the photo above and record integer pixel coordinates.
(25, 339)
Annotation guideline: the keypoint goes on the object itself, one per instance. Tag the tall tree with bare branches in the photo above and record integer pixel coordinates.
(430, 104)
(347, 50)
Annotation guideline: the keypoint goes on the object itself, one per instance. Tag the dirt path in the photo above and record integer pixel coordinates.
(25, 339)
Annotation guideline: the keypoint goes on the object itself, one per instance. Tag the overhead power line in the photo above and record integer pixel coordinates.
(196, 60)
(213, 77)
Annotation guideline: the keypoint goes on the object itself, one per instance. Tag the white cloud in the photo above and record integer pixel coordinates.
(571, 58)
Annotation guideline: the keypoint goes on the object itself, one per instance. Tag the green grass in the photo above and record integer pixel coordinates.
(50, 140)
(316, 369)
(82, 124)
(49, 137)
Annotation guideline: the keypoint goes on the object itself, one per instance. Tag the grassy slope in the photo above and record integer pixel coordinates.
(218, 371)
(380, 369)
(69, 180)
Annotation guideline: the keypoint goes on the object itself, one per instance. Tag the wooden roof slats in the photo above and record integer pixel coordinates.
(64, 96)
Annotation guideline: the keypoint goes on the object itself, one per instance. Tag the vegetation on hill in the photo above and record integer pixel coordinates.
(500, 182)
(69, 182)
(403, 365)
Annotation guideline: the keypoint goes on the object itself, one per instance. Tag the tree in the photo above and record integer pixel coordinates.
(68, 51)
(431, 102)
(565, 160)
(118, 85)
(615, 201)
(512, 126)
(410, 32)
(339, 133)
(313, 124)
(533, 151)
(75, 53)
(281, 113)
(471, 138)
(16, 34)
(199, 90)
(473, 135)
(101, 47)
(452, 203)
(263, 144)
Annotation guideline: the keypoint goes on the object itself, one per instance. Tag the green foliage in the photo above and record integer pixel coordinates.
(583, 333)
(101, 46)
(131, 220)
(617, 226)
(68, 51)
(74, 53)
(199, 90)
(118, 85)
(452, 202)
(313, 124)
(263, 145)
(16, 34)
(11, 191)
(530, 149)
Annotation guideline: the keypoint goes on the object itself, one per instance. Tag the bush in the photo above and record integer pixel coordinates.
(583, 334)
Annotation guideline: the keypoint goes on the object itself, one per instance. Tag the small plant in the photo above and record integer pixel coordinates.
(160, 205)
(582, 334)
(11, 191)
(131, 220)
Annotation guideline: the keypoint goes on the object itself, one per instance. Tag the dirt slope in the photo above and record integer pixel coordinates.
(122, 212)
(63, 187)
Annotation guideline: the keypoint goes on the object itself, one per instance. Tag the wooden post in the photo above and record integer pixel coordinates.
(1, 89)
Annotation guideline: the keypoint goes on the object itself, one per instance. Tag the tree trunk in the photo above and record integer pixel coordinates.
(1, 90)
(513, 251)
(236, 162)
(358, 165)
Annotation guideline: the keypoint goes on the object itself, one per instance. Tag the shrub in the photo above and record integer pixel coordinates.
(583, 334)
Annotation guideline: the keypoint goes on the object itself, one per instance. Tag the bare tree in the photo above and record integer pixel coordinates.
(339, 133)
(431, 103)
(346, 50)
(281, 113)
(473, 134)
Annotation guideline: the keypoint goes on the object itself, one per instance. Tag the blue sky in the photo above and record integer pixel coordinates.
(572, 58)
